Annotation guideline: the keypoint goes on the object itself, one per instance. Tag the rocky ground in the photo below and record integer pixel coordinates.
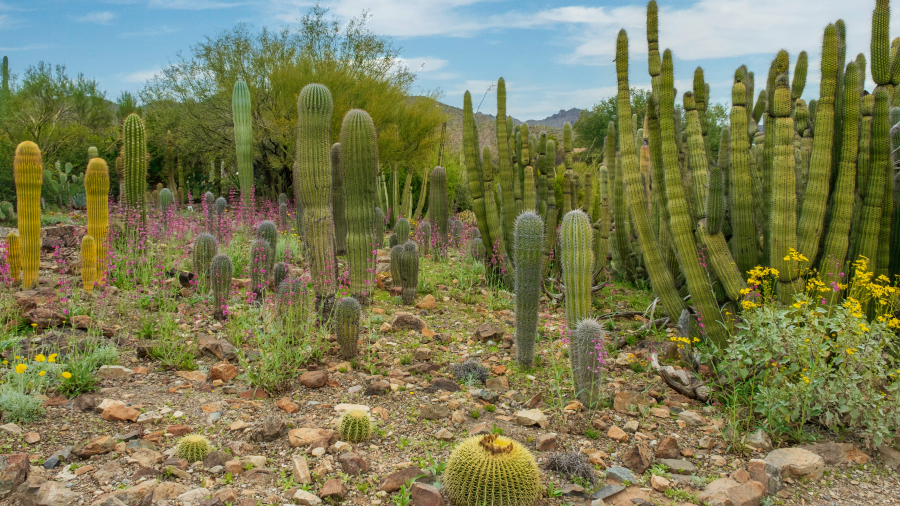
(648, 445)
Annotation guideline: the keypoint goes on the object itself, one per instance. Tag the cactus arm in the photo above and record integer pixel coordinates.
(438, 208)
(505, 168)
(783, 218)
(88, 263)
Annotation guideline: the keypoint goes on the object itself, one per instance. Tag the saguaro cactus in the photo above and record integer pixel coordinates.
(134, 148)
(312, 180)
(586, 355)
(528, 249)
(396, 275)
(28, 175)
(221, 205)
(205, 248)
(409, 272)
(576, 252)
(88, 263)
(347, 313)
(438, 209)
(243, 138)
(220, 272)
(337, 200)
(96, 186)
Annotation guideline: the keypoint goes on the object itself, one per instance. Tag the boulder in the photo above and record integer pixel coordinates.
(797, 463)
(838, 453)
(36, 491)
(726, 491)
(630, 401)
(13, 472)
(408, 321)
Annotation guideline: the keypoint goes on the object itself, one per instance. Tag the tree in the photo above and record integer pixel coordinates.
(590, 129)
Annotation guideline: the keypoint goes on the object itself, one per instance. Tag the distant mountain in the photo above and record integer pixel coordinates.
(557, 120)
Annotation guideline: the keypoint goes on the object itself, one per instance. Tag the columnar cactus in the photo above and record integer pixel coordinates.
(401, 230)
(456, 231)
(551, 225)
(28, 175)
(96, 186)
(528, 246)
(576, 254)
(698, 163)
(120, 173)
(409, 272)
(439, 210)
(783, 218)
(166, 200)
(396, 276)
(268, 231)
(586, 353)
(312, 181)
(425, 232)
(243, 138)
(477, 250)
(220, 272)
(347, 313)
(205, 248)
(506, 172)
(209, 205)
(337, 200)
(134, 149)
(715, 200)
(261, 256)
(14, 256)
(221, 205)
(744, 237)
(279, 273)
(379, 228)
(88, 263)
(870, 216)
(480, 182)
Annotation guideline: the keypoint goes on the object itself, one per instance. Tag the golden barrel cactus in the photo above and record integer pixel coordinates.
(88, 262)
(14, 256)
(96, 186)
(28, 172)
(493, 470)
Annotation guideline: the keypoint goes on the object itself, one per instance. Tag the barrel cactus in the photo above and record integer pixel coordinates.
(492, 469)
(586, 352)
(401, 230)
(347, 313)
(221, 205)
(205, 248)
(88, 263)
(220, 272)
(477, 250)
(96, 185)
(268, 231)
(28, 175)
(528, 241)
(279, 273)
(355, 425)
(394, 240)
(409, 272)
(193, 448)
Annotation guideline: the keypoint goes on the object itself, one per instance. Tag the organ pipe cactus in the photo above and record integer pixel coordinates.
(743, 242)
(379, 228)
(870, 216)
(480, 183)
(88, 263)
(96, 186)
(586, 353)
(205, 248)
(337, 201)
(28, 176)
(134, 149)
(14, 255)
(439, 211)
(347, 313)
(409, 272)
(881, 43)
(312, 181)
(715, 201)
(243, 138)
(783, 218)
(220, 272)
(528, 247)
(551, 225)
(576, 254)
(699, 165)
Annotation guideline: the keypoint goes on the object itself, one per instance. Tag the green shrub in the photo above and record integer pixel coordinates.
(82, 362)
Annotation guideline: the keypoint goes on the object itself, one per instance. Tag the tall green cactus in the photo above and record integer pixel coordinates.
(870, 218)
(551, 225)
(220, 272)
(620, 245)
(783, 218)
(209, 202)
(837, 239)
(28, 176)
(243, 138)
(89, 276)
(96, 184)
(205, 248)
(576, 254)
(504, 166)
(221, 205)
(715, 201)
(815, 199)
(364, 221)
(379, 228)
(312, 183)
(698, 162)
(880, 47)
(396, 274)
(409, 272)
(337, 201)
(586, 352)
(401, 229)
(347, 314)
(268, 231)
(528, 246)
(280, 273)
(743, 242)
(134, 147)
(601, 224)
(14, 255)
(424, 230)
(438, 210)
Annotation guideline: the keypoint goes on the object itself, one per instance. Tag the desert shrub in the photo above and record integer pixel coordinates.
(572, 465)
(470, 371)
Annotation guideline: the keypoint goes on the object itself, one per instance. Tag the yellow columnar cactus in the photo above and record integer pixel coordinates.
(96, 186)
(28, 172)
(14, 256)
(88, 262)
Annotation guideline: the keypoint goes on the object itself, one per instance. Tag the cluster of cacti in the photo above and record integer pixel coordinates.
(528, 242)
(492, 469)
(346, 316)
(96, 185)
(134, 158)
(88, 263)
(355, 425)
(409, 271)
(205, 248)
(28, 175)
(193, 448)
(243, 138)
(220, 272)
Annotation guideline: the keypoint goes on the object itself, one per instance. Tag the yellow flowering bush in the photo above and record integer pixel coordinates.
(832, 356)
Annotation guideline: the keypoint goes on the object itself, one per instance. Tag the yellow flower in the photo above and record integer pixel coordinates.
(40, 358)
(34, 324)
(42, 373)
(67, 375)
(21, 368)
(52, 357)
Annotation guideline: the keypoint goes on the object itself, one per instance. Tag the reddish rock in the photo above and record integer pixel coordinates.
(179, 430)
(726, 491)
(13, 472)
(397, 479)
(617, 434)
(428, 303)
(488, 332)
(423, 494)
(333, 488)
(353, 464)
(546, 442)
(32, 438)
(667, 448)
(120, 413)
(222, 371)
(408, 321)
(307, 436)
(286, 405)
(314, 379)
(256, 393)
(836, 454)
(638, 459)
(98, 446)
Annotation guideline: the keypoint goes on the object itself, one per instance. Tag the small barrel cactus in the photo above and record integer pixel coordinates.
(220, 272)
(14, 256)
(401, 230)
(477, 250)
(347, 312)
(425, 232)
(355, 426)
(280, 272)
(396, 252)
(492, 469)
(379, 228)
(88, 262)
(205, 248)
(260, 256)
(587, 355)
(193, 448)
(409, 272)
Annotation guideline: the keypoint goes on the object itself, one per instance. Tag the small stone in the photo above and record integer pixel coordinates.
(727, 491)
(706, 443)
(427, 303)
(605, 492)
(423, 494)
(11, 428)
(304, 498)
(660, 412)
(718, 460)
(434, 412)
(178, 430)
(630, 401)
(238, 425)
(146, 457)
(306, 437)
(638, 458)
(570, 490)
(353, 464)
(797, 463)
(691, 418)
(546, 442)
(397, 479)
(380, 387)
(114, 372)
(408, 321)
(458, 417)
(97, 446)
(32, 438)
(14, 470)
(740, 476)
(287, 406)
(617, 434)
(191, 375)
(444, 435)
(223, 371)
(532, 417)
(120, 413)
(300, 470)
(488, 332)
(679, 466)
(499, 384)
(488, 396)
(620, 475)
(271, 429)
(631, 426)
(667, 448)
(385, 328)
(334, 489)
(838, 453)
(423, 353)
(659, 483)
(314, 379)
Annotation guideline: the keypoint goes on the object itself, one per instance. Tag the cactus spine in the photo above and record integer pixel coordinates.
(220, 272)
(347, 312)
(337, 201)
(14, 256)
(528, 247)
(134, 147)
(409, 272)
(585, 354)
(28, 175)
(439, 211)
(243, 138)
(744, 240)
(577, 258)
(96, 186)
(312, 180)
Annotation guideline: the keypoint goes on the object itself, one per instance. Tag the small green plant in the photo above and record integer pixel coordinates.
(476, 413)
(403, 496)
(592, 433)
(227, 479)
(490, 408)
(406, 359)
(552, 491)
(637, 367)
(497, 430)
(404, 442)
(193, 447)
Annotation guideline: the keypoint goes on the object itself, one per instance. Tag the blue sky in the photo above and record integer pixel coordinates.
(553, 55)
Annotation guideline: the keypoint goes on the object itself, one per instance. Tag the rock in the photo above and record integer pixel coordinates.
(408, 321)
(659, 483)
(397, 479)
(304, 498)
(434, 412)
(314, 379)
(679, 466)
(340, 408)
(85, 402)
(334, 489)
(759, 440)
(630, 401)
(617, 434)
(13, 472)
(442, 384)
(216, 458)
(890, 456)
(423, 353)
(796, 463)
(146, 457)
(500, 384)
(838, 453)
(385, 328)
(534, 401)
(546, 442)
(256, 393)
(427, 303)
(30, 299)
(667, 448)
(287, 406)
(606, 492)
(423, 494)
(458, 416)
(532, 417)
(114, 372)
(620, 475)
(660, 412)
(488, 332)
(194, 376)
(691, 418)
(306, 437)
(353, 464)
(726, 491)
(570, 489)
(169, 490)
(36, 491)
(424, 368)
(97, 446)
(718, 460)
(741, 476)
(222, 371)
(120, 413)
(272, 428)
(377, 388)
(706, 443)
(598, 458)
(234, 467)
(631, 426)
(638, 458)
(179, 430)
(176, 462)
(766, 474)
(444, 435)
(193, 497)
(222, 349)
(300, 470)
(11, 428)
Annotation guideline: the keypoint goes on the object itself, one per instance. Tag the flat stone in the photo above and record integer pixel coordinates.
(660, 412)
(423, 494)
(607, 492)
(532, 417)
(32, 438)
(146, 457)
(488, 332)
(691, 418)
(423, 353)
(620, 475)
(304, 498)
(434, 412)
(193, 497)
(120, 413)
(546, 442)
(114, 372)
(727, 491)
(617, 434)
(572, 490)
(397, 479)
(191, 375)
(216, 458)
(11, 428)
(838, 453)
(314, 379)
(659, 483)
(223, 371)
(36, 491)
(97, 446)
(797, 463)
(179, 430)
(679, 466)
(630, 401)
(488, 396)
(442, 384)
(287, 406)
(444, 435)
(306, 437)
(168, 491)
(380, 387)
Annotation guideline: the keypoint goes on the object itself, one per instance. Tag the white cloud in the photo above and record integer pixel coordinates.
(149, 32)
(27, 47)
(99, 18)
(194, 5)
(423, 64)
(141, 76)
